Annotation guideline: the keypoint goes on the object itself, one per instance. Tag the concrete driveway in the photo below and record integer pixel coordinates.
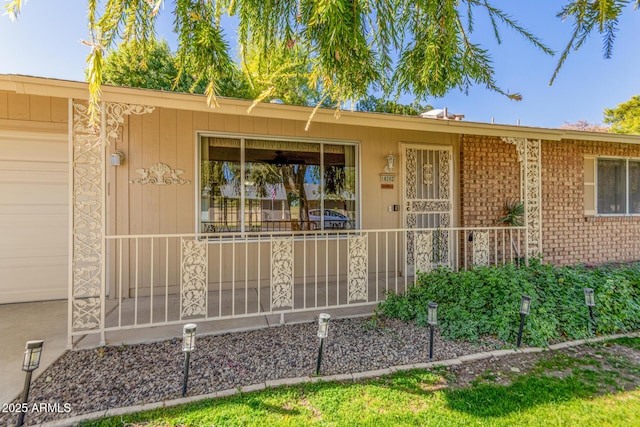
(23, 322)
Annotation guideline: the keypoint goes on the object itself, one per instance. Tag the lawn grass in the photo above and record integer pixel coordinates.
(422, 398)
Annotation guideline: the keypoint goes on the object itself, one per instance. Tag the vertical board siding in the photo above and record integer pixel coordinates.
(168, 154)
(168, 205)
(4, 106)
(231, 124)
(186, 159)
(151, 131)
(59, 110)
(260, 125)
(18, 106)
(169, 136)
(275, 127)
(33, 108)
(40, 108)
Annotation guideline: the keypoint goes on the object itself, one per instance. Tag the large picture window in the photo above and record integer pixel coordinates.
(252, 184)
(618, 186)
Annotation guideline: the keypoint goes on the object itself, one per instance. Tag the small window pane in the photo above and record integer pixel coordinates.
(612, 197)
(339, 186)
(220, 185)
(281, 184)
(634, 187)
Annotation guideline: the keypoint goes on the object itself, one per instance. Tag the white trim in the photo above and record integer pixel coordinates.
(359, 224)
(70, 205)
(539, 196)
(627, 186)
(322, 185)
(589, 163)
(197, 180)
(243, 185)
(261, 235)
(103, 219)
(215, 134)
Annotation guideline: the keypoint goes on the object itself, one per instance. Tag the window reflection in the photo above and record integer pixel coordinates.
(339, 186)
(282, 178)
(612, 197)
(287, 185)
(220, 185)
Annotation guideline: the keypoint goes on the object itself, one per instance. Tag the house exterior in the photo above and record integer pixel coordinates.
(168, 210)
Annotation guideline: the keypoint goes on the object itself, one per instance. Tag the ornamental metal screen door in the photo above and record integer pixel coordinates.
(427, 194)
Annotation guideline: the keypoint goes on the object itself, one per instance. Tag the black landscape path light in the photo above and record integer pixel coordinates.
(525, 305)
(31, 361)
(432, 320)
(188, 344)
(323, 332)
(589, 300)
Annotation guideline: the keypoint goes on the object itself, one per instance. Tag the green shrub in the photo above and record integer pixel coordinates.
(486, 301)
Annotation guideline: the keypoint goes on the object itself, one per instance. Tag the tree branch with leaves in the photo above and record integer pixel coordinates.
(341, 50)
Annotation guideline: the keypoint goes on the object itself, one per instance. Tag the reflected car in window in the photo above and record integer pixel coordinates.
(332, 219)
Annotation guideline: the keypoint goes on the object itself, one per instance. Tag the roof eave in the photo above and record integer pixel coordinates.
(193, 102)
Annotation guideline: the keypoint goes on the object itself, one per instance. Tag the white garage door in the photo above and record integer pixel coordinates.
(33, 216)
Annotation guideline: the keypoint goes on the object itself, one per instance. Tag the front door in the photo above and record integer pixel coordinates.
(428, 195)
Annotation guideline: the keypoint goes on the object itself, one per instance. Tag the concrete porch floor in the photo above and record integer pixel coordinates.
(24, 322)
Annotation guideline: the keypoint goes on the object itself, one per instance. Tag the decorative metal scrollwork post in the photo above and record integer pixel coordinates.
(87, 251)
(529, 156)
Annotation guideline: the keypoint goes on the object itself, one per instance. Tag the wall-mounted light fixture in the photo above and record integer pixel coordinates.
(116, 158)
(391, 160)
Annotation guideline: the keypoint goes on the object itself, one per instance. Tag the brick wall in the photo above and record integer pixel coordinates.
(568, 236)
(490, 175)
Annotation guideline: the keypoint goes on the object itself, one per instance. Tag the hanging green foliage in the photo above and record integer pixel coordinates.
(338, 49)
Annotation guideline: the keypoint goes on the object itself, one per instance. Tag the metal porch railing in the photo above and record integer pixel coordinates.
(154, 280)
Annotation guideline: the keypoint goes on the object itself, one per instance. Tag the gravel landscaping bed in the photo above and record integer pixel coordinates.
(117, 376)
